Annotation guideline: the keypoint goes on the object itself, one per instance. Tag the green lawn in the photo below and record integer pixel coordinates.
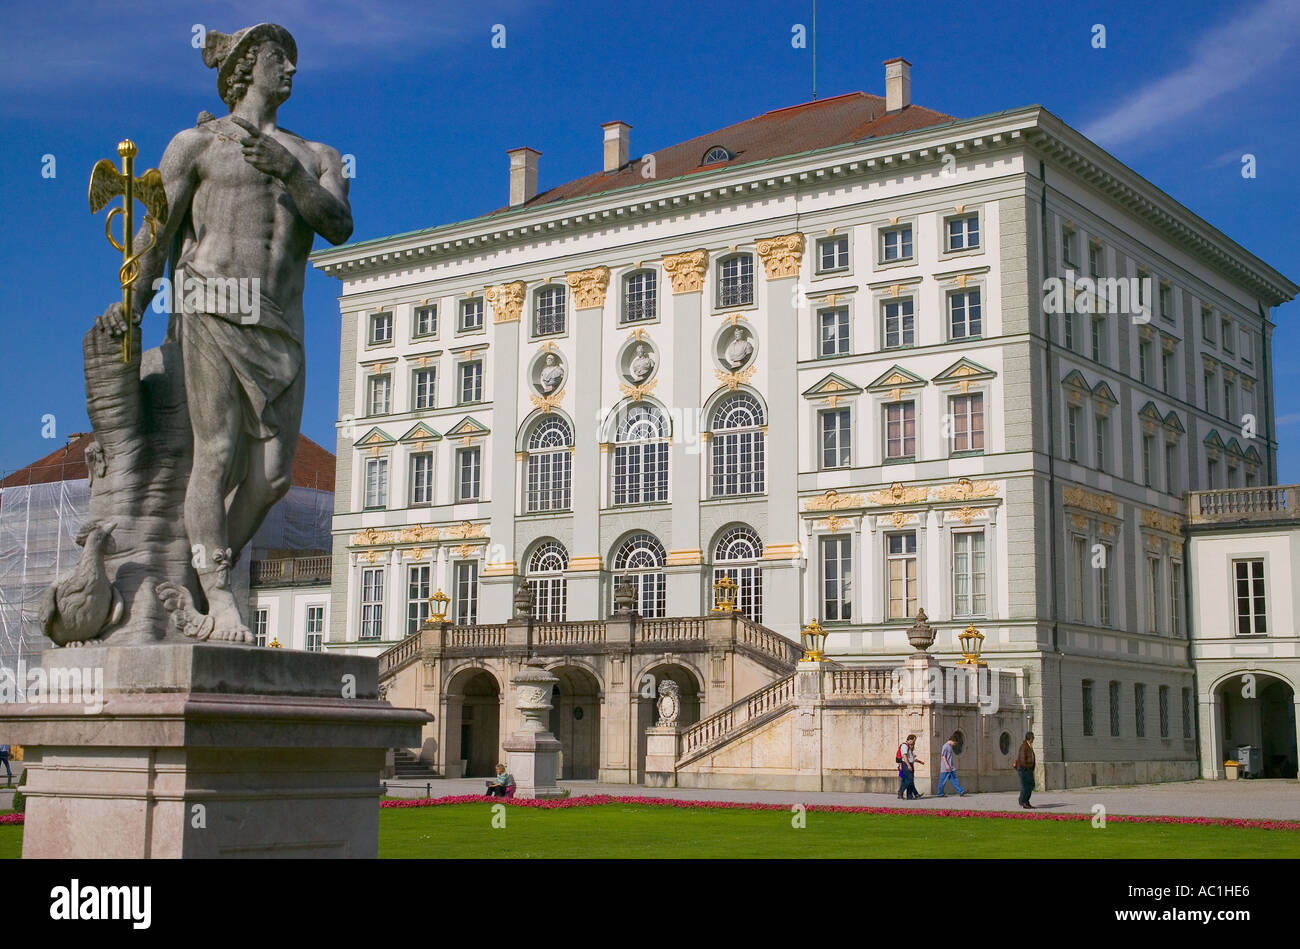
(625, 830)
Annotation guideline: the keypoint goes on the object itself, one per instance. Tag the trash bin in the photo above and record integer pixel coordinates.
(1251, 758)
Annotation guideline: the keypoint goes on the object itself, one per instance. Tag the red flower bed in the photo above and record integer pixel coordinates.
(600, 799)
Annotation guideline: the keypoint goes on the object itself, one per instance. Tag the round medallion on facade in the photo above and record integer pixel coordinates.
(548, 372)
(638, 361)
(735, 346)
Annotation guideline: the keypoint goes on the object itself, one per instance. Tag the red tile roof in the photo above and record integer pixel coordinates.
(839, 120)
(313, 466)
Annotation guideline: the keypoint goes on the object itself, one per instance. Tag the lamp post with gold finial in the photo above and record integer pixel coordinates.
(438, 607)
(814, 642)
(724, 595)
(972, 642)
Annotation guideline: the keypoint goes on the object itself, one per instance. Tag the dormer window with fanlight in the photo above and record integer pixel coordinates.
(716, 154)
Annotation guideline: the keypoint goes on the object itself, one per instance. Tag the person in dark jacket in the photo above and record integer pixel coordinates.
(1025, 762)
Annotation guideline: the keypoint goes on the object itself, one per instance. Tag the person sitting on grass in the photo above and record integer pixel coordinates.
(501, 785)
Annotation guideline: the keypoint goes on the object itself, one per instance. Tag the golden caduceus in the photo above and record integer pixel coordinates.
(106, 183)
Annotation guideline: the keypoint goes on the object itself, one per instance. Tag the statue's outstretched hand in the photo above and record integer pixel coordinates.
(112, 322)
(264, 153)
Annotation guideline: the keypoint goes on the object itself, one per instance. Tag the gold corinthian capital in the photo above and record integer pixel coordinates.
(588, 287)
(507, 301)
(781, 256)
(687, 270)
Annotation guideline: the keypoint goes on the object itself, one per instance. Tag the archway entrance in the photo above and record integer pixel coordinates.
(644, 710)
(473, 724)
(1259, 710)
(575, 721)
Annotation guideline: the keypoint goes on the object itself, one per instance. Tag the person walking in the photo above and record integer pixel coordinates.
(948, 768)
(1025, 762)
(907, 762)
(4, 759)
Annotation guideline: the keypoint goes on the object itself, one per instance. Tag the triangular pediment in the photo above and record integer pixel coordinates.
(1234, 448)
(1252, 455)
(376, 436)
(1074, 379)
(467, 428)
(832, 384)
(1151, 413)
(965, 370)
(1102, 393)
(1172, 423)
(1213, 440)
(421, 433)
(896, 377)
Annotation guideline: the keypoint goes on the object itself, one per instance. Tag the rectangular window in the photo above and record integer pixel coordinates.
(896, 243)
(1114, 709)
(1227, 399)
(1209, 391)
(1188, 712)
(833, 254)
(1094, 258)
(467, 474)
(963, 232)
(836, 439)
(967, 422)
(471, 381)
(1067, 247)
(901, 557)
(1099, 340)
(260, 619)
(1101, 432)
(736, 281)
(1140, 709)
(837, 578)
(417, 597)
(1148, 446)
(1078, 564)
(1228, 336)
(1103, 586)
(1087, 706)
(424, 385)
(471, 314)
(1167, 370)
(834, 331)
(640, 296)
(376, 483)
(1144, 363)
(1248, 576)
(1171, 468)
(1247, 347)
(422, 478)
(1073, 424)
(315, 633)
(900, 430)
(381, 328)
(965, 315)
(641, 472)
(1212, 473)
(372, 603)
(426, 321)
(466, 592)
(1067, 331)
(1166, 302)
(1164, 711)
(900, 325)
(1207, 324)
(379, 394)
(1153, 595)
(970, 597)
(551, 309)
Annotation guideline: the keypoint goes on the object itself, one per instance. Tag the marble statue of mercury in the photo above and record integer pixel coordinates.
(246, 199)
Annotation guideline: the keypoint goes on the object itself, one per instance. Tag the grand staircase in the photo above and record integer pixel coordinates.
(407, 767)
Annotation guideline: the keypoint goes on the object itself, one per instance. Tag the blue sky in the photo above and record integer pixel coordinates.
(428, 107)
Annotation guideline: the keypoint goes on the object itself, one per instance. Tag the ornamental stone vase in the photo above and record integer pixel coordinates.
(920, 634)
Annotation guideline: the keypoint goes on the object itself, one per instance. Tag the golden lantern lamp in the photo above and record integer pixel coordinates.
(972, 641)
(438, 607)
(814, 642)
(724, 595)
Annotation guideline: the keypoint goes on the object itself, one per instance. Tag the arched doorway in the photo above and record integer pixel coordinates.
(575, 721)
(473, 724)
(644, 706)
(1258, 709)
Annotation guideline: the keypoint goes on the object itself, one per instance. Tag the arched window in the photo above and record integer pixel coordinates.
(550, 311)
(736, 280)
(716, 154)
(546, 579)
(738, 556)
(738, 443)
(641, 559)
(640, 296)
(550, 466)
(641, 456)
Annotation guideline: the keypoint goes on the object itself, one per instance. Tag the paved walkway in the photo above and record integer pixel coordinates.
(1268, 800)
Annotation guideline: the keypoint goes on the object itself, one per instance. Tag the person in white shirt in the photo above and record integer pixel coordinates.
(907, 762)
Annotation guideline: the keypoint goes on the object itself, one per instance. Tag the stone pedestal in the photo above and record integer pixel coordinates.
(202, 750)
(663, 744)
(533, 753)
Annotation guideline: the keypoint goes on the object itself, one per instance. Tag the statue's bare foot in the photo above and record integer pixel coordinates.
(228, 625)
(185, 619)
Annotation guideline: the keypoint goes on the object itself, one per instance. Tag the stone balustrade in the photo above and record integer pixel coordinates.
(722, 723)
(861, 682)
(289, 570)
(1231, 505)
(584, 633)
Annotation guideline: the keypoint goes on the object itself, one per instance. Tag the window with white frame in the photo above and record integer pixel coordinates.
(837, 439)
(1144, 362)
(901, 589)
(1171, 468)
(738, 556)
(899, 327)
(1167, 370)
(965, 314)
(468, 473)
(1099, 339)
(471, 314)
(1148, 461)
(967, 412)
(381, 328)
(1101, 437)
(466, 583)
(962, 232)
(1228, 335)
(1207, 324)
(379, 394)
(546, 580)
(736, 280)
(550, 466)
(1078, 564)
(833, 253)
(1067, 331)
(422, 478)
(1175, 598)
(424, 389)
(314, 638)
(969, 574)
(640, 560)
(372, 603)
(738, 445)
(376, 483)
(471, 381)
(1073, 429)
(641, 456)
(1166, 297)
(260, 619)
(1247, 347)
(834, 326)
(1228, 401)
(896, 243)
(426, 321)
(837, 577)
(1248, 584)
(417, 597)
(640, 296)
(900, 430)
(550, 310)
(1067, 247)
(1094, 258)
(1104, 573)
(1154, 592)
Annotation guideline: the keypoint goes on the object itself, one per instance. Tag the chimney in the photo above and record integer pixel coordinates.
(523, 175)
(898, 84)
(616, 145)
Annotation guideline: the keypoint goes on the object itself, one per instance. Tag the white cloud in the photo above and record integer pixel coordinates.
(1234, 53)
